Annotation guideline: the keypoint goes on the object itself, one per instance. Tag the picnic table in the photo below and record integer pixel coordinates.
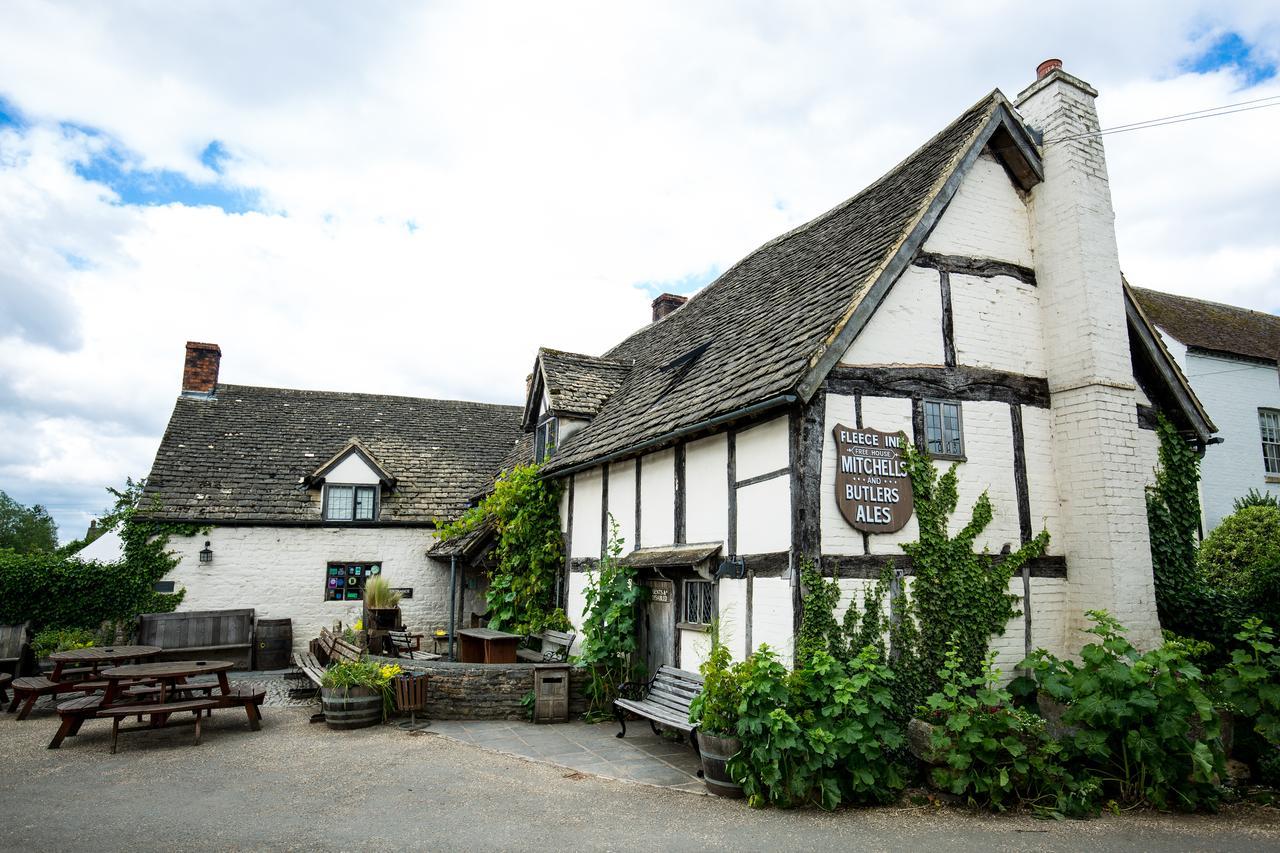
(485, 645)
(73, 671)
(158, 690)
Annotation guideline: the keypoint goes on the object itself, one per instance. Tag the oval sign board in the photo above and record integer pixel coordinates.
(873, 490)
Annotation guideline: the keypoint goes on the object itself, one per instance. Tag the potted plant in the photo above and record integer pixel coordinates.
(357, 694)
(382, 603)
(715, 713)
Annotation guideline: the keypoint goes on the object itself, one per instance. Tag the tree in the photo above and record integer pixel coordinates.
(26, 531)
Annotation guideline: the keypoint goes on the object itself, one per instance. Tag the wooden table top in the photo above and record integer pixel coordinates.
(487, 634)
(102, 654)
(168, 669)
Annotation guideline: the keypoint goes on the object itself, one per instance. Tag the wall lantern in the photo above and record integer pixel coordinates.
(206, 554)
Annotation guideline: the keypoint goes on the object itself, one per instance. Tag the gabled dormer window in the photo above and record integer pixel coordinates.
(546, 438)
(350, 503)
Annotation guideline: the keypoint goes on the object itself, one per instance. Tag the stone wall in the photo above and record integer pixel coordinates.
(485, 691)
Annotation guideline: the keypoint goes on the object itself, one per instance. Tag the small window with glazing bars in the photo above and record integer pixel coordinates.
(943, 429)
(699, 602)
(1269, 424)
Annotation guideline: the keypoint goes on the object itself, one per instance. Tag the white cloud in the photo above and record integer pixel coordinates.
(552, 159)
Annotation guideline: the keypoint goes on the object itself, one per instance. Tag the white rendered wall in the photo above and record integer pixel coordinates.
(997, 324)
(731, 599)
(986, 218)
(706, 503)
(1232, 391)
(351, 470)
(576, 608)
(764, 516)
(694, 648)
(566, 427)
(762, 449)
(988, 447)
(771, 620)
(658, 498)
(281, 571)
(1042, 481)
(907, 327)
(622, 501)
(586, 513)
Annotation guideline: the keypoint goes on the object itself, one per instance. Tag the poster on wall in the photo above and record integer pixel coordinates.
(873, 490)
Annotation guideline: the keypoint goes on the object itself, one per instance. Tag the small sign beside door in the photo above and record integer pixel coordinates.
(660, 594)
(873, 489)
(405, 591)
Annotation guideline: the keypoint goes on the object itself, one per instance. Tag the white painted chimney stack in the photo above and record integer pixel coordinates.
(1094, 405)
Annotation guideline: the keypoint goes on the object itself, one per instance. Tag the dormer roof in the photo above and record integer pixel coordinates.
(575, 385)
(355, 447)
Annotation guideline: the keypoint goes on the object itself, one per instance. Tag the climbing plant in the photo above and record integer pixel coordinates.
(609, 629)
(525, 511)
(1187, 605)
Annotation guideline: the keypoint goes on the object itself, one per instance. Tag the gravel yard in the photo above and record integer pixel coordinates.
(297, 786)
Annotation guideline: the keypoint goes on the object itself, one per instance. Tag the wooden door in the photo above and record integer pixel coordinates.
(660, 625)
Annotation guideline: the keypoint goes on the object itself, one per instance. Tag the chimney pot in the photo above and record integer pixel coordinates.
(1045, 67)
(200, 370)
(666, 303)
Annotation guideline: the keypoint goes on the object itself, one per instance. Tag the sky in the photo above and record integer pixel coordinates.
(411, 198)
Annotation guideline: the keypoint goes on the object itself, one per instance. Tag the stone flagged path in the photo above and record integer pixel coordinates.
(586, 748)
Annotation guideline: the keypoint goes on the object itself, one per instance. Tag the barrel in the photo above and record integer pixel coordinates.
(351, 707)
(274, 643)
(716, 752)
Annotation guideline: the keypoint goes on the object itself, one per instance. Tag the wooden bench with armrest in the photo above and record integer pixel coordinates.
(406, 645)
(662, 700)
(553, 647)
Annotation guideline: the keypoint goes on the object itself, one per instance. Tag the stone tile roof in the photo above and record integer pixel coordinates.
(754, 332)
(1213, 325)
(579, 384)
(242, 455)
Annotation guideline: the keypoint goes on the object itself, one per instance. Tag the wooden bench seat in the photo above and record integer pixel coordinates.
(406, 645)
(28, 689)
(553, 647)
(663, 700)
(310, 667)
(160, 710)
(5, 678)
(191, 635)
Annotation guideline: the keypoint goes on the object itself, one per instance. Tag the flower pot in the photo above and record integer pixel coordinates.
(716, 751)
(383, 618)
(351, 707)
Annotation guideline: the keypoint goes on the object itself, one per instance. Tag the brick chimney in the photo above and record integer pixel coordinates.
(200, 370)
(666, 303)
(1100, 469)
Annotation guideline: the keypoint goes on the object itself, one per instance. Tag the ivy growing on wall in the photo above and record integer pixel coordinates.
(525, 512)
(58, 591)
(610, 629)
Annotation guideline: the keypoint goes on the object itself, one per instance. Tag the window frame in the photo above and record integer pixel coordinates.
(924, 418)
(325, 503)
(685, 599)
(548, 428)
(1270, 462)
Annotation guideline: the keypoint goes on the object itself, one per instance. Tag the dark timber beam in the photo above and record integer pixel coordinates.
(808, 428)
(980, 267)
(950, 383)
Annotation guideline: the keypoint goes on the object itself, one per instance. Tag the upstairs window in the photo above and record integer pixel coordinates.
(350, 503)
(943, 430)
(545, 440)
(1269, 423)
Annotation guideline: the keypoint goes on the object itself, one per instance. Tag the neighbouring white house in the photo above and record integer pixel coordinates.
(1231, 357)
(307, 494)
(970, 299)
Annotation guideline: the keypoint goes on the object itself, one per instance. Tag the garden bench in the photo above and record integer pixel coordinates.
(16, 657)
(310, 667)
(345, 652)
(662, 700)
(155, 710)
(5, 678)
(190, 635)
(406, 645)
(74, 712)
(553, 647)
(243, 697)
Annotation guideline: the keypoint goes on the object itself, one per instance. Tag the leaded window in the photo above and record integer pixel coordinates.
(350, 503)
(699, 602)
(943, 429)
(1269, 423)
(545, 440)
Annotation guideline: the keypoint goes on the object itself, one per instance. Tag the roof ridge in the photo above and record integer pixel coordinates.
(621, 362)
(228, 386)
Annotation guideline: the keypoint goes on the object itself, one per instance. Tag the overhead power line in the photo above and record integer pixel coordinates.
(1179, 118)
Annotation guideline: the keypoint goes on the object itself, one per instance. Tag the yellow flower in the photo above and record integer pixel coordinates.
(359, 626)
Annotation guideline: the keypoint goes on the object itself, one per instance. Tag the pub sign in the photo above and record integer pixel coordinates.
(873, 489)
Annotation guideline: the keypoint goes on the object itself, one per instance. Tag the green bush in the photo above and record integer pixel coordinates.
(1141, 723)
(823, 735)
(1241, 559)
(51, 640)
(715, 709)
(52, 590)
(610, 627)
(1253, 497)
(1250, 683)
(995, 755)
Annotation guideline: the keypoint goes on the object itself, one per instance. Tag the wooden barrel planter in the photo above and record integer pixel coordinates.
(716, 752)
(274, 644)
(351, 707)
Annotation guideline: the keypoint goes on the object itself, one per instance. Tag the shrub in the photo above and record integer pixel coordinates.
(715, 709)
(1241, 559)
(823, 735)
(51, 640)
(1250, 683)
(1139, 722)
(609, 629)
(1253, 497)
(378, 594)
(377, 677)
(995, 755)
